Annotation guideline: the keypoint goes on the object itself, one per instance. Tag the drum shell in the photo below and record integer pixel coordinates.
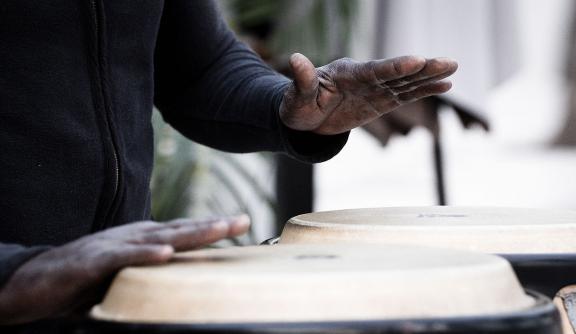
(545, 273)
(543, 318)
(538, 243)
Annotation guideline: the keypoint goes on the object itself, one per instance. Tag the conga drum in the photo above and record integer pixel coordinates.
(566, 302)
(324, 289)
(540, 244)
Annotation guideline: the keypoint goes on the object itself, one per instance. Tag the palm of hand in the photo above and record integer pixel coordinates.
(346, 94)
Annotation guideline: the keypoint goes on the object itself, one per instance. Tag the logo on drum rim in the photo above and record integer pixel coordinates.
(316, 257)
(440, 215)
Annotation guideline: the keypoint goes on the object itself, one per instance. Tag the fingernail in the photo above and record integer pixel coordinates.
(243, 220)
(166, 250)
(419, 59)
(296, 58)
(220, 225)
(446, 83)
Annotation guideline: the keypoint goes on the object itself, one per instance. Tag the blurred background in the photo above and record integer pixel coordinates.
(505, 135)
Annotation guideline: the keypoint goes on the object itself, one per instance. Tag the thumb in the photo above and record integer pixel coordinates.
(305, 76)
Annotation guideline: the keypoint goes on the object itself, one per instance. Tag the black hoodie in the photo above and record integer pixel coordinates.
(78, 81)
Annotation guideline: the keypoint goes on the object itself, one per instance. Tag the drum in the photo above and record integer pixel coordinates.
(566, 302)
(324, 289)
(540, 244)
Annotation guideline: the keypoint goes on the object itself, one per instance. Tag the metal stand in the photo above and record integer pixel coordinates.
(439, 170)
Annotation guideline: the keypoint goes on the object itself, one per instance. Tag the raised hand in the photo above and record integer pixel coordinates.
(346, 94)
(65, 278)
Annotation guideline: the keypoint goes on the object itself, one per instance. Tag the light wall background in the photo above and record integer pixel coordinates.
(511, 69)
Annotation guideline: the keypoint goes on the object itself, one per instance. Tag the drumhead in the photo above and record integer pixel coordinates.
(314, 283)
(565, 302)
(491, 230)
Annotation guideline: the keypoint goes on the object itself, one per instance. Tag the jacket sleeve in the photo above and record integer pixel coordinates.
(216, 91)
(13, 256)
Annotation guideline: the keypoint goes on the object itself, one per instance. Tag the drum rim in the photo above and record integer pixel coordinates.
(538, 257)
(512, 257)
(543, 313)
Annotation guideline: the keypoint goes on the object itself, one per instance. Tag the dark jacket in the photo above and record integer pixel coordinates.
(78, 81)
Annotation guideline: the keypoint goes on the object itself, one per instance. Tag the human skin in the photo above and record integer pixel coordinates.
(346, 94)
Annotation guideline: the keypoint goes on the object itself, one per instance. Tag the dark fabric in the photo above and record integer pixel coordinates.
(229, 101)
(78, 81)
(40, 327)
(12, 256)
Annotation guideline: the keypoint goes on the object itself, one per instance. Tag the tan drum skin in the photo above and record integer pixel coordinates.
(295, 283)
(491, 230)
(565, 301)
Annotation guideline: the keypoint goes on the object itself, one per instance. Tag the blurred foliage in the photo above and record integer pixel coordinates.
(177, 169)
(191, 180)
(320, 29)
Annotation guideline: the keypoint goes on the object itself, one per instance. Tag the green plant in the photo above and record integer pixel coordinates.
(191, 180)
(177, 169)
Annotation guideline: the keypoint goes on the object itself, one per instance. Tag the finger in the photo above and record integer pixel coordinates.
(305, 76)
(139, 255)
(378, 71)
(433, 67)
(126, 231)
(111, 260)
(425, 91)
(238, 224)
(413, 85)
(184, 236)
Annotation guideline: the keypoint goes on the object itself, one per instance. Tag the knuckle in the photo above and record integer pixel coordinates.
(178, 222)
(154, 238)
(101, 262)
(345, 61)
(370, 69)
(324, 72)
(397, 67)
(146, 224)
(342, 64)
(436, 65)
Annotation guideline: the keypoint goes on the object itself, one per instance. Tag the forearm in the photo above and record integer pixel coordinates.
(233, 106)
(218, 92)
(211, 87)
(12, 257)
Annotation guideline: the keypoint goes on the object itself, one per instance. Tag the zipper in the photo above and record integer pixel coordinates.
(94, 12)
(95, 8)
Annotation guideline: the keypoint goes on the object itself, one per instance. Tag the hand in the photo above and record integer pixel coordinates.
(346, 94)
(65, 278)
